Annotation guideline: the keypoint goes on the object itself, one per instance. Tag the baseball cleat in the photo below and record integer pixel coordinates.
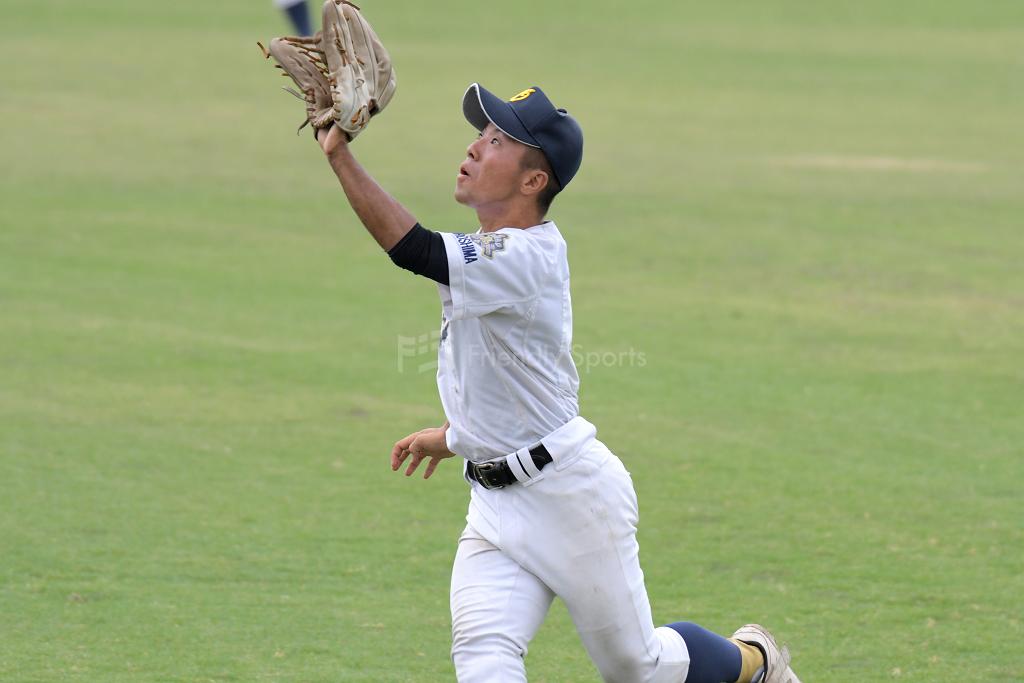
(776, 659)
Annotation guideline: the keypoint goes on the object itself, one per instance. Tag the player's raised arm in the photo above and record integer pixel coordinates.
(345, 76)
(410, 245)
(384, 217)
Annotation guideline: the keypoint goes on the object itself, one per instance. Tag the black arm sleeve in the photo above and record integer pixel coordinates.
(422, 252)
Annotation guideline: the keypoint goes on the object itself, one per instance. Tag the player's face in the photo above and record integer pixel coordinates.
(492, 172)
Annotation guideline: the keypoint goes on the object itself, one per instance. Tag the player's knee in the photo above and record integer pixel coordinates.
(619, 665)
(486, 657)
(477, 644)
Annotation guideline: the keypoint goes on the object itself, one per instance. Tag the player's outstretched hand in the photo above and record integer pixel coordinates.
(424, 444)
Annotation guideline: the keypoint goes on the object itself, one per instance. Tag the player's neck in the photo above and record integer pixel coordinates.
(496, 217)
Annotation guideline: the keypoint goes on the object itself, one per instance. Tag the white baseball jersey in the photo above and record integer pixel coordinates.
(505, 370)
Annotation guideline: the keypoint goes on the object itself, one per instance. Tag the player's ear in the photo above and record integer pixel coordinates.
(534, 180)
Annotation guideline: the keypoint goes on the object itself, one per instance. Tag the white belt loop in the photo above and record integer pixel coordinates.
(514, 464)
(527, 460)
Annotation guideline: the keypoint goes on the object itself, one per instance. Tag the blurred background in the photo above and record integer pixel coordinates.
(796, 246)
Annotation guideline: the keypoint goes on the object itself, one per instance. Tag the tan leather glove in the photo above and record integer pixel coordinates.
(359, 71)
(302, 60)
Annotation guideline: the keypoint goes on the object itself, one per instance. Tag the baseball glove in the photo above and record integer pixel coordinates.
(302, 60)
(343, 73)
(359, 68)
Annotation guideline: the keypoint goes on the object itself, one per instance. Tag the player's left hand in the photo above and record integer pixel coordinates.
(425, 444)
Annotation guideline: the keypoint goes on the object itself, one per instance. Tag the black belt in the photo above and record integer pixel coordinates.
(497, 474)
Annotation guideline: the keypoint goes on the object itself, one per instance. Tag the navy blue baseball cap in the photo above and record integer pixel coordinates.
(530, 118)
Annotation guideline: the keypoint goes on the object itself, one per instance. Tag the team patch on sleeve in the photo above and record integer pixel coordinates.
(466, 245)
(490, 243)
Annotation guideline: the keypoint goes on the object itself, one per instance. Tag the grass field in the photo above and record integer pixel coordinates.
(807, 218)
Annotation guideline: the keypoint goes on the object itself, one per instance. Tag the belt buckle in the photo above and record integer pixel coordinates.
(483, 471)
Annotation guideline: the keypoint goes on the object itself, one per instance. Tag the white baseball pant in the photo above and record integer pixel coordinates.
(570, 531)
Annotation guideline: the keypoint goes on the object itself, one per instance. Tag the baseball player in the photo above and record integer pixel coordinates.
(552, 510)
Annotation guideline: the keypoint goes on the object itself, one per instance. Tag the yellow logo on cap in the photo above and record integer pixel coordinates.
(522, 95)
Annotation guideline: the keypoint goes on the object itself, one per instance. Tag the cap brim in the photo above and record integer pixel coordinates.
(481, 107)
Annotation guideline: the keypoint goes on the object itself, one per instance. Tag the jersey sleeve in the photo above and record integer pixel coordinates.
(422, 251)
(491, 271)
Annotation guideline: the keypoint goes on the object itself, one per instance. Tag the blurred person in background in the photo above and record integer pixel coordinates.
(298, 14)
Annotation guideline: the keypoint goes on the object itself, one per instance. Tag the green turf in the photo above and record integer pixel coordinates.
(807, 218)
